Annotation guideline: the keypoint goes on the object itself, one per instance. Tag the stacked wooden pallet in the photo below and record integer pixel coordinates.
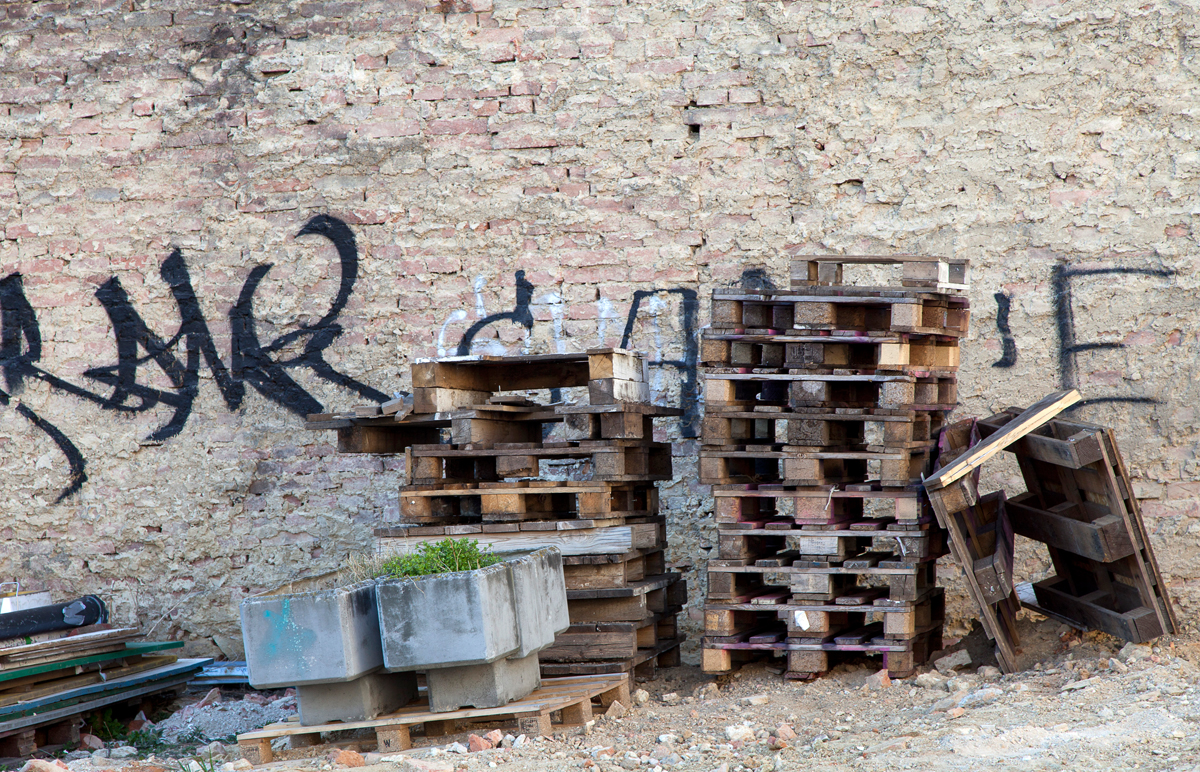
(577, 473)
(49, 682)
(823, 404)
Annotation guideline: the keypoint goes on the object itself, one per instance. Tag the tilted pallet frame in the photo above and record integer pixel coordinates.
(489, 482)
(823, 405)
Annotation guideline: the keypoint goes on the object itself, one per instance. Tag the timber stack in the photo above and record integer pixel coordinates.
(823, 405)
(575, 468)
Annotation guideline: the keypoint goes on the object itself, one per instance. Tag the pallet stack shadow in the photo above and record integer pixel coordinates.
(822, 408)
(519, 474)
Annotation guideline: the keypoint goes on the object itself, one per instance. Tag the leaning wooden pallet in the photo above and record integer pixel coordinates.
(484, 475)
(823, 406)
(980, 533)
(1079, 502)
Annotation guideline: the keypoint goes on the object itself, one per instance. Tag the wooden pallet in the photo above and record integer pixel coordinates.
(570, 697)
(643, 666)
(828, 273)
(897, 311)
(1080, 504)
(815, 506)
(979, 533)
(615, 461)
(898, 353)
(635, 602)
(809, 579)
(742, 391)
(519, 500)
(610, 640)
(809, 660)
(900, 430)
(571, 541)
(610, 375)
(756, 543)
(795, 465)
(902, 618)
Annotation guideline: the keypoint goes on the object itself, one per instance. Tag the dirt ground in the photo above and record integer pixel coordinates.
(1085, 702)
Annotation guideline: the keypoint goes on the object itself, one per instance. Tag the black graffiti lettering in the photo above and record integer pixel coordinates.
(519, 315)
(689, 307)
(1064, 316)
(1008, 357)
(20, 348)
(138, 347)
(689, 397)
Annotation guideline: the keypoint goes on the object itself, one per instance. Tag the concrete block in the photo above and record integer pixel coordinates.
(363, 698)
(311, 631)
(482, 686)
(447, 620)
(541, 595)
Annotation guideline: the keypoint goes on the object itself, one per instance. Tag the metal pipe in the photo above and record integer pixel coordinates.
(88, 610)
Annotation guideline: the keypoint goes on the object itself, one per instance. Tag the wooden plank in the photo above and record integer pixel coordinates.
(611, 540)
(1103, 538)
(1033, 417)
(1076, 451)
(116, 691)
(1138, 625)
(129, 649)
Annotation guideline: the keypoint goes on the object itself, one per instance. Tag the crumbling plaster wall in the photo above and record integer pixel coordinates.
(539, 175)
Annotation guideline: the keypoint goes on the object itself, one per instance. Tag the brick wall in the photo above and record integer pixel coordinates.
(538, 175)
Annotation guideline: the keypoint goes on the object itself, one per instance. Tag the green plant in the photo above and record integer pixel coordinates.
(147, 740)
(439, 558)
(208, 764)
(106, 726)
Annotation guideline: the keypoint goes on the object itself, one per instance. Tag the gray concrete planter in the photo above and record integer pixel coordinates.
(324, 640)
(475, 634)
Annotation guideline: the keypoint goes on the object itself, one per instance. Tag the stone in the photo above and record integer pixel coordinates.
(1134, 652)
(615, 710)
(756, 699)
(670, 698)
(947, 703)
(43, 765)
(76, 755)
(346, 758)
(364, 698)
(413, 764)
(739, 733)
(879, 680)
(487, 685)
(456, 748)
(930, 681)
(1117, 665)
(122, 752)
(301, 634)
(475, 743)
(705, 692)
(212, 698)
(494, 737)
(214, 749)
(956, 712)
(90, 742)
(641, 696)
(981, 697)
(989, 672)
(785, 732)
(950, 662)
